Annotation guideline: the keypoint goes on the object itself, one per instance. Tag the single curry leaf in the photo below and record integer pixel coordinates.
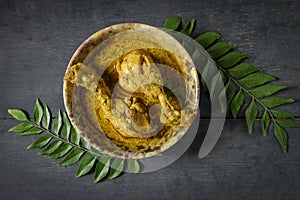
(206, 75)
(219, 49)
(66, 128)
(251, 113)
(265, 122)
(230, 90)
(266, 90)
(282, 114)
(85, 165)
(215, 83)
(40, 142)
(272, 102)
(32, 131)
(207, 39)
(85, 144)
(72, 158)
(61, 151)
(188, 27)
(237, 102)
(57, 123)
(95, 151)
(19, 128)
(75, 138)
(46, 117)
(51, 147)
(242, 70)
(19, 115)
(281, 136)
(102, 169)
(172, 23)
(256, 79)
(133, 166)
(116, 168)
(38, 112)
(231, 59)
(222, 100)
(290, 123)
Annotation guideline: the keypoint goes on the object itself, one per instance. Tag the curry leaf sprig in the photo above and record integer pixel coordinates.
(240, 79)
(62, 141)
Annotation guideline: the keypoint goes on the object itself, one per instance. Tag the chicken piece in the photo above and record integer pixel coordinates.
(138, 106)
(82, 75)
(138, 74)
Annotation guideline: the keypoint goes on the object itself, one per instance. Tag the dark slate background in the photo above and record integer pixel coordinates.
(37, 39)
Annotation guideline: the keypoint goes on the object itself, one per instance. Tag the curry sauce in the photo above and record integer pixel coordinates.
(126, 120)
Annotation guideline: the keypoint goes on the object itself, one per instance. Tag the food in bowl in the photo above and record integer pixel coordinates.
(121, 96)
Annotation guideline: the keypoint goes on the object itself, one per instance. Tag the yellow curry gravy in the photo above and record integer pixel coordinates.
(138, 110)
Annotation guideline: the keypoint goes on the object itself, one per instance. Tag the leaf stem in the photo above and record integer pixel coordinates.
(249, 93)
(66, 141)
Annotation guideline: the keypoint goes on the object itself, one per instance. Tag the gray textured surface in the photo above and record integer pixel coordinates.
(38, 38)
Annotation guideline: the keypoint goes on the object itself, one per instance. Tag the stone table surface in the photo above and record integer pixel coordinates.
(39, 37)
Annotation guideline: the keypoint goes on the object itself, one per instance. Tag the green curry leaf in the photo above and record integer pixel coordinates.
(281, 136)
(66, 127)
(242, 70)
(40, 142)
(18, 114)
(272, 102)
(251, 113)
(116, 168)
(102, 169)
(282, 114)
(207, 39)
(265, 122)
(172, 23)
(86, 165)
(60, 151)
(237, 102)
(265, 90)
(32, 131)
(256, 79)
(24, 126)
(72, 158)
(133, 166)
(219, 49)
(46, 117)
(251, 81)
(189, 27)
(51, 147)
(38, 112)
(231, 59)
(288, 123)
(57, 123)
(64, 142)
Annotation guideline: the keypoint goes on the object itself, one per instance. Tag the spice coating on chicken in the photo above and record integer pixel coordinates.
(144, 108)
